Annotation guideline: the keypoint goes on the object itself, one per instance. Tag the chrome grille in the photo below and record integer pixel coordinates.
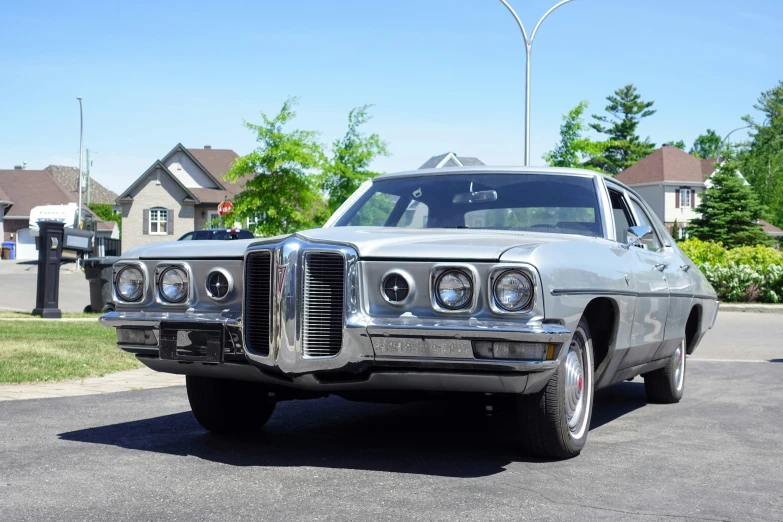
(324, 291)
(258, 297)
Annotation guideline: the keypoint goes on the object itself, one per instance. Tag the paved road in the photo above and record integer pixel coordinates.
(141, 456)
(18, 283)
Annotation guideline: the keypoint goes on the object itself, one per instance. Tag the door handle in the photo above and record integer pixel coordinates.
(661, 266)
(685, 268)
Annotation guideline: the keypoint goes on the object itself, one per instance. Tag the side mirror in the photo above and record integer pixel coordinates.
(639, 235)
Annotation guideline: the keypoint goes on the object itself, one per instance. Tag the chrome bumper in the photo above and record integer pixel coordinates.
(391, 349)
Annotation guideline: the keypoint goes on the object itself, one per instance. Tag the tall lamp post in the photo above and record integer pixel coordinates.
(81, 141)
(722, 143)
(528, 49)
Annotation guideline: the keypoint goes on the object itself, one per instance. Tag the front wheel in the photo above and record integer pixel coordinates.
(556, 420)
(223, 406)
(667, 385)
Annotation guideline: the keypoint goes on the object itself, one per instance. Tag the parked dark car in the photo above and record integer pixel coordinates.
(219, 234)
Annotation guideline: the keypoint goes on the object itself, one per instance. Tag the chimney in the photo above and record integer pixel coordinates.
(17, 167)
(207, 146)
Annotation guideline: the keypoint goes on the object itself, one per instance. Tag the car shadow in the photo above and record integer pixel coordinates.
(439, 438)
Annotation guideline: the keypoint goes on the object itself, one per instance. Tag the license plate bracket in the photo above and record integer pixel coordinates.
(188, 343)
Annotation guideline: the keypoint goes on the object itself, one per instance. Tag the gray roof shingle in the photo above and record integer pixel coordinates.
(68, 177)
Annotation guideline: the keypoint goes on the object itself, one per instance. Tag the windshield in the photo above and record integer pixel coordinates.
(531, 202)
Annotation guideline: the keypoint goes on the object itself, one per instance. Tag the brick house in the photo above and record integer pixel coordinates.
(21, 190)
(177, 194)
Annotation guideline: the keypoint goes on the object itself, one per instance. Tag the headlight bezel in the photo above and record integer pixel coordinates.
(501, 270)
(160, 271)
(437, 274)
(119, 270)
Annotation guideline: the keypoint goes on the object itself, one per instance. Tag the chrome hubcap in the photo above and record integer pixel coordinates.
(679, 372)
(574, 388)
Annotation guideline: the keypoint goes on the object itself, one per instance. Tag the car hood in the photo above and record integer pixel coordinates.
(191, 249)
(432, 244)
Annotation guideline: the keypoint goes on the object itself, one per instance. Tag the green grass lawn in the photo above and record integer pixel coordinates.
(10, 314)
(58, 350)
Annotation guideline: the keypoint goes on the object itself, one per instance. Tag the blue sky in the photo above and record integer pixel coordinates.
(444, 75)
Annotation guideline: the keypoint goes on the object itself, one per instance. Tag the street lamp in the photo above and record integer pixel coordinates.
(722, 143)
(528, 48)
(81, 140)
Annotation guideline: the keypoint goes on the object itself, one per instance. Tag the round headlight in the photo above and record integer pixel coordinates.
(174, 285)
(454, 289)
(130, 283)
(513, 291)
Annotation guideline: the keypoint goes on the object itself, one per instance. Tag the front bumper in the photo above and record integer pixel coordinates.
(389, 354)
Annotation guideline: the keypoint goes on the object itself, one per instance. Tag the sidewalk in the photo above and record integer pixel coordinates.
(140, 379)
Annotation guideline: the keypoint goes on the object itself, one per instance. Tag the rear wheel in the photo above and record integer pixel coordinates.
(223, 406)
(556, 420)
(667, 385)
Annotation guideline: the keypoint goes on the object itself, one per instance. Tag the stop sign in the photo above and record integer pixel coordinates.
(225, 208)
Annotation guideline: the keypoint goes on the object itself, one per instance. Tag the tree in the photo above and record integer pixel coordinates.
(624, 147)
(281, 190)
(679, 144)
(707, 145)
(574, 149)
(106, 212)
(762, 160)
(729, 211)
(352, 154)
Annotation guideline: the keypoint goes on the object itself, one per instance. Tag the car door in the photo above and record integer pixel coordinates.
(678, 282)
(652, 293)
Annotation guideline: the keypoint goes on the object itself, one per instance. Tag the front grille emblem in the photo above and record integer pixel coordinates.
(281, 270)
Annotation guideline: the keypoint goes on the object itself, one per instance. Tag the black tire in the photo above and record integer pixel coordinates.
(229, 407)
(666, 385)
(87, 309)
(107, 308)
(543, 416)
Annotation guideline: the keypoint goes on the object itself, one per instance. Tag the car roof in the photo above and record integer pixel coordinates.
(485, 169)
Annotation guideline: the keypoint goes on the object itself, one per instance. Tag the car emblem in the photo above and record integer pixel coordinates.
(281, 270)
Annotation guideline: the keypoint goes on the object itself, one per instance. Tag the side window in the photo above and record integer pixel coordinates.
(415, 216)
(645, 220)
(622, 216)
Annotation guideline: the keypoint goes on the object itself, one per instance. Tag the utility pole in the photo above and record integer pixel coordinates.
(528, 49)
(81, 145)
(87, 178)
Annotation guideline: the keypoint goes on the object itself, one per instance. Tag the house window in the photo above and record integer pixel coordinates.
(158, 220)
(213, 220)
(682, 233)
(685, 198)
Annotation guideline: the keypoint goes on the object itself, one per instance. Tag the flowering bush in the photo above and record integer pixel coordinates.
(744, 274)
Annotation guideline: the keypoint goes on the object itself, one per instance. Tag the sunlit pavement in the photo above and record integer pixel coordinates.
(141, 456)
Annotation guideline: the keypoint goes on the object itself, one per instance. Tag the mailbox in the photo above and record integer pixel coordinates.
(79, 241)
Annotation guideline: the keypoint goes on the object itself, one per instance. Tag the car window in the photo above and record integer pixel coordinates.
(245, 234)
(504, 201)
(644, 220)
(376, 211)
(622, 216)
(201, 235)
(186, 237)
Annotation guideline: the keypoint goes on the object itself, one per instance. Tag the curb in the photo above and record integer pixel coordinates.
(752, 308)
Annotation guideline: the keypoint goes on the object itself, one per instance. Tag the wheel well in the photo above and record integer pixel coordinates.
(601, 316)
(692, 329)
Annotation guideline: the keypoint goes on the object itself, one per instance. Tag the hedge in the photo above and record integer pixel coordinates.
(743, 274)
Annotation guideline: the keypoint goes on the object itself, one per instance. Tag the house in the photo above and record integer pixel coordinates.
(672, 182)
(772, 230)
(450, 159)
(21, 190)
(176, 194)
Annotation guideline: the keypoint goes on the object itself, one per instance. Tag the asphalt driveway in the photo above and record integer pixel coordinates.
(19, 281)
(141, 456)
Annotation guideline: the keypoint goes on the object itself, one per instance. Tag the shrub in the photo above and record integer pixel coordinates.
(744, 283)
(702, 252)
(755, 256)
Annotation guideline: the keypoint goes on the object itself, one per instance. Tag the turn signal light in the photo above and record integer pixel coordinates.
(513, 351)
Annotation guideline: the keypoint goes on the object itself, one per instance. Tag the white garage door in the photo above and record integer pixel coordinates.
(25, 245)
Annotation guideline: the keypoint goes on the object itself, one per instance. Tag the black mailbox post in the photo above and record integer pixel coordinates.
(50, 251)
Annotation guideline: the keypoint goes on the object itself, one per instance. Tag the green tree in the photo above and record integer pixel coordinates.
(280, 186)
(762, 159)
(352, 155)
(707, 145)
(679, 144)
(106, 213)
(574, 149)
(729, 211)
(623, 146)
